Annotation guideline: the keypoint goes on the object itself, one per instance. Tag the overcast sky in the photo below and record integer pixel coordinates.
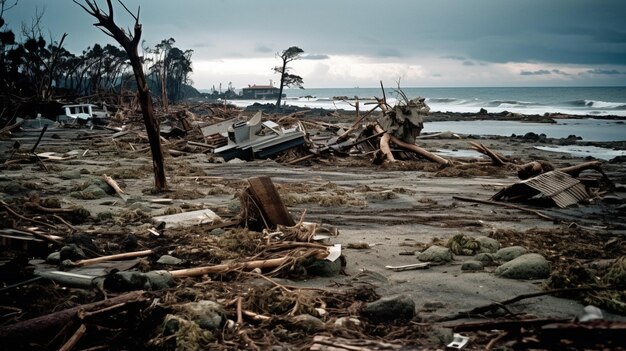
(351, 43)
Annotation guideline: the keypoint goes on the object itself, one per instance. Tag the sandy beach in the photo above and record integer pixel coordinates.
(385, 215)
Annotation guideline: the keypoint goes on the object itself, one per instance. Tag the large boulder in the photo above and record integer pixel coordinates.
(528, 266)
(508, 253)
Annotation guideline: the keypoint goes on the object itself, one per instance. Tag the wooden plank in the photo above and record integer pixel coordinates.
(267, 198)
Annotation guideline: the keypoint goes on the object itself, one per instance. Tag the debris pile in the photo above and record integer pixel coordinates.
(94, 258)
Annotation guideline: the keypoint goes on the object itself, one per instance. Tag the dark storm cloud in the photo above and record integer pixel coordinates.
(315, 57)
(541, 72)
(605, 71)
(555, 32)
(453, 57)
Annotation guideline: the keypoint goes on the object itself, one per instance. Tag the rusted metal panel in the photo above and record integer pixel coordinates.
(562, 188)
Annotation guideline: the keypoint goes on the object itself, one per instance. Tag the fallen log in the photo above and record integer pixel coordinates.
(418, 150)
(45, 323)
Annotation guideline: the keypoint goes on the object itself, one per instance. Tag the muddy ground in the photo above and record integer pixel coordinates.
(384, 215)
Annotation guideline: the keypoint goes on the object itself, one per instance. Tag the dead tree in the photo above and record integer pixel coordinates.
(130, 41)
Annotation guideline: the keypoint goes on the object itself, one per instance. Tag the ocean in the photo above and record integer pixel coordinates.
(594, 101)
(589, 101)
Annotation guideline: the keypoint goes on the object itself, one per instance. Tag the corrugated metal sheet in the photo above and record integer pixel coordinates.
(562, 188)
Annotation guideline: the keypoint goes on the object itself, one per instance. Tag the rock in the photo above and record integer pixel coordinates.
(218, 231)
(486, 259)
(208, 314)
(390, 308)
(435, 254)
(347, 322)
(618, 159)
(169, 260)
(528, 266)
(71, 252)
(441, 336)
(325, 268)
(308, 323)
(159, 280)
(54, 258)
(472, 266)
(487, 244)
(508, 253)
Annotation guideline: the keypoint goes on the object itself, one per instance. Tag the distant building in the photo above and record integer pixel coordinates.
(260, 92)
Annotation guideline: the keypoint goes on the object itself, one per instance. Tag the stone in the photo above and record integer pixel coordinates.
(218, 231)
(508, 253)
(159, 279)
(528, 266)
(441, 336)
(390, 308)
(208, 314)
(308, 323)
(435, 253)
(347, 322)
(169, 260)
(487, 244)
(54, 258)
(326, 268)
(472, 266)
(486, 259)
(71, 252)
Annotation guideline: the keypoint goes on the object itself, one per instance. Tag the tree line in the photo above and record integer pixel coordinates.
(36, 70)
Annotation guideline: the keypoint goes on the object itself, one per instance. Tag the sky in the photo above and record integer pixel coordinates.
(358, 43)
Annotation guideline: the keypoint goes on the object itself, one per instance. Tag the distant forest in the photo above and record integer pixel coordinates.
(35, 71)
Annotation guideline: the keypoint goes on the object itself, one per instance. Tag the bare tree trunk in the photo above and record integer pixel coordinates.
(130, 42)
(282, 84)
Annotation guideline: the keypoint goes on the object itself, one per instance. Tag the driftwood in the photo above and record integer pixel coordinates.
(344, 135)
(89, 261)
(418, 150)
(250, 265)
(46, 323)
(113, 184)
(495, 158)
(328, 343)
(10, 210)
(385, 148)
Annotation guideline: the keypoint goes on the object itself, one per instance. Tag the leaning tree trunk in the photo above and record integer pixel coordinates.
(130, 42)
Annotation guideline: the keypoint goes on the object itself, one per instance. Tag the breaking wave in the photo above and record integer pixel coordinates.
(598, 104)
